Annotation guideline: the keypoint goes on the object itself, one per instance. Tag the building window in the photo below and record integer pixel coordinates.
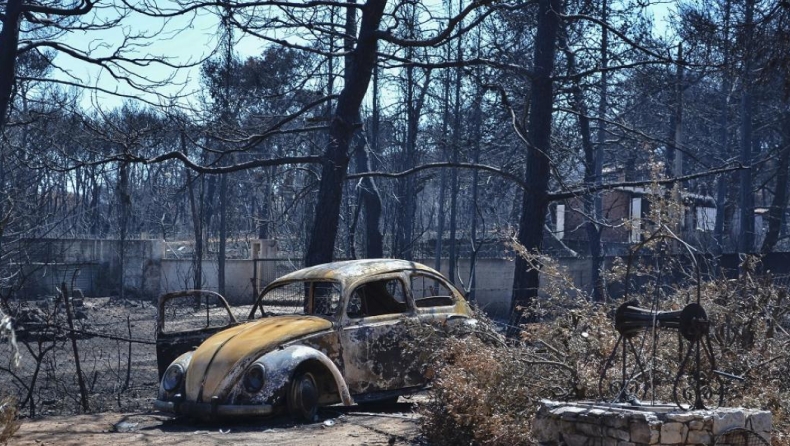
(706, 219)
(560, 233)
(636, 220)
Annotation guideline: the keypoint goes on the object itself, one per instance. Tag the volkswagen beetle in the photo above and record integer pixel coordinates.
(340, 332)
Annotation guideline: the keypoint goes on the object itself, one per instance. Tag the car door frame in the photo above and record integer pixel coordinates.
(172, 344)
(361, 366)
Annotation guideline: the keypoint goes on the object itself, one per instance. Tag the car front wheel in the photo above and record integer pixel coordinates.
(303, 397)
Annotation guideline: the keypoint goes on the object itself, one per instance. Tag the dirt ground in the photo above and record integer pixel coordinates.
(122, 382)
(336, 426)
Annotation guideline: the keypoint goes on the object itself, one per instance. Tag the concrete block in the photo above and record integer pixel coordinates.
(683, 417)
(726, 420)
(673, 432)
(576, 440)
(759, 421)
(699, 437)
(567, 426)
(568, 413)
(590, 430)
(546, 430)
(618, 421)
(643, 432)
(696, 425)
(765, 436)
(620, 434)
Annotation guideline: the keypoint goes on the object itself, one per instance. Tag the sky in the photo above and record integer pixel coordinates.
(183, 40)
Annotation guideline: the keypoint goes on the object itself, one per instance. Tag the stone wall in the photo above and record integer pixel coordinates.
(597, 424)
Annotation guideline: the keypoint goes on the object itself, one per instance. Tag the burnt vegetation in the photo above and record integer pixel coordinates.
(564, 135)
(486, 390)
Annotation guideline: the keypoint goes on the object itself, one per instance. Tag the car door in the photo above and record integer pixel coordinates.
(376, 334)
(185, 319)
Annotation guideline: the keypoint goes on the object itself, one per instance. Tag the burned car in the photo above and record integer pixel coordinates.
(341, 332)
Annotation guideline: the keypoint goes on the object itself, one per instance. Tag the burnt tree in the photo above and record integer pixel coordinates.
(536, 200)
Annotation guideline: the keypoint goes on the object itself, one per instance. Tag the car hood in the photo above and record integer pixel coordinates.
(224, 352)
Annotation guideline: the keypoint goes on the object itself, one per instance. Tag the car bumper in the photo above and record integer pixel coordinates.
(210, 410)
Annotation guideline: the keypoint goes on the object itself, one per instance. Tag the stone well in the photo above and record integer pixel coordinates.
(601, 424)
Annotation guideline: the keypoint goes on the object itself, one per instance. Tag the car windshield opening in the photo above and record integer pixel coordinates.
(307, 297)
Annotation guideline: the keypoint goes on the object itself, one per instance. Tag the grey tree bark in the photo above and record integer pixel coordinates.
(746, 196)
(779, 203)
(724, 123)
(357, 73)
(535, 201)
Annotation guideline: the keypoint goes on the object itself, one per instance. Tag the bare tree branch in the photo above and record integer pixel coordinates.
(586, 190)
(309, 159)
(429, 166)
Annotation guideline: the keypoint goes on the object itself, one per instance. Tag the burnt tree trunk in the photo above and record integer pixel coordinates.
(723, 180)
(359, 66)
(9, 40)
(124, 214)
(746, 199)
(223, 232)
(196, 209)
(535, 201)
(371, 205)
(594, 228)
(592, 163)
(779, 203)
(371, 199)
(406, 205)
(455, 148)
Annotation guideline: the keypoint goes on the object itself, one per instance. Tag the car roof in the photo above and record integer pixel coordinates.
(349, 271)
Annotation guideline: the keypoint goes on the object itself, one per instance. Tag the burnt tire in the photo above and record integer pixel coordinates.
(303, 397)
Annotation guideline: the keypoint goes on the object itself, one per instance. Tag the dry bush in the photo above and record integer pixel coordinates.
(486, 392)
(119, 375)
(8, 419)
(8, 407)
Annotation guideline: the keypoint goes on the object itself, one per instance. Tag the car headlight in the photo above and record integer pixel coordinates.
(253, 379)
(173, 376)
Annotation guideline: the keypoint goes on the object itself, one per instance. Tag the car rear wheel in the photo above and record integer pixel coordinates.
(303, 397)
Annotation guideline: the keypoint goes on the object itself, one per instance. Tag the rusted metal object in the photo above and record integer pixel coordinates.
(339, 332)
(705, 386)
(697, 383)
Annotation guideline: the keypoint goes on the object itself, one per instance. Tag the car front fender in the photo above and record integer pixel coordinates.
(279, 366)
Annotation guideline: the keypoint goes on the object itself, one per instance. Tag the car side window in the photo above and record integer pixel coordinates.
(386, 296)
(430, 292)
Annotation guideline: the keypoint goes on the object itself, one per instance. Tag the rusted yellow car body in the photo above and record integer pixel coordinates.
(338, 332)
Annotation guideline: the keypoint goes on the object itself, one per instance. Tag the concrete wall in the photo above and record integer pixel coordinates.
(178, 275)
(47, 263)
(147, 274)
(493, 286)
